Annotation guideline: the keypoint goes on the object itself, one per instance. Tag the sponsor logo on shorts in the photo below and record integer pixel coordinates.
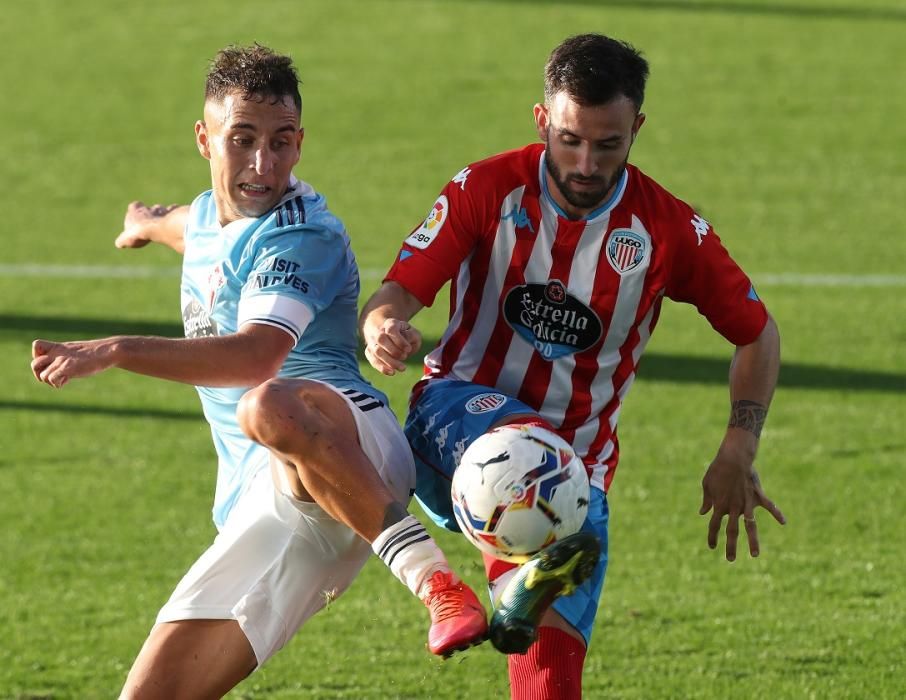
(423, 236)
(485, 402)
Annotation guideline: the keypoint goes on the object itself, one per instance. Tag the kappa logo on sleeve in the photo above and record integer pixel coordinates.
(425, 234)
(701, 227)
(461, 177)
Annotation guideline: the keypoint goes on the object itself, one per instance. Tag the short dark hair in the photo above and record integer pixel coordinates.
(254, 71)
(593, 69)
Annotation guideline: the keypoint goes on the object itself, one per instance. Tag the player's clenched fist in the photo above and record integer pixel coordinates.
(57, 363)
(391, 344)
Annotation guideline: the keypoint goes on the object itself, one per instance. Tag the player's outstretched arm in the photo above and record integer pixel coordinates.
(153, 224)
(731, 486)
(384, 324)
(243, 359)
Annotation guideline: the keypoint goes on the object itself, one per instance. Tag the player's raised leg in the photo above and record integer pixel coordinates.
(545, 609)
(558, 570)
(190, 660)
(311, 428)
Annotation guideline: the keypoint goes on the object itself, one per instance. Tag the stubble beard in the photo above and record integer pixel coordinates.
(590, 199)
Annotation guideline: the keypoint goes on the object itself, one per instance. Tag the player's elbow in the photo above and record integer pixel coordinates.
(770, 337)
(263, 369)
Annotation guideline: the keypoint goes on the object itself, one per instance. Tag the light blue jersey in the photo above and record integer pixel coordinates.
(291, 268)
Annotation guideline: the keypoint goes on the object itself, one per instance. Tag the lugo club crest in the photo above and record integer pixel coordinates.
(626, 250)
(552, 321)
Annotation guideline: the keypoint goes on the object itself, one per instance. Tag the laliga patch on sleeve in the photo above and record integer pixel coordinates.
(427, 232)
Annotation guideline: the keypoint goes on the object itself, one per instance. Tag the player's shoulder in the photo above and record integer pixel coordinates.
(668, 215)
(500, 172)
(645, 192)
(202, 211)
(301, 211)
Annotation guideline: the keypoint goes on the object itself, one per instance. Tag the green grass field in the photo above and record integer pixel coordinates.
(782, 121)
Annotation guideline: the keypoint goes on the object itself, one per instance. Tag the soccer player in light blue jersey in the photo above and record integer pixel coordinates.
(313, 470)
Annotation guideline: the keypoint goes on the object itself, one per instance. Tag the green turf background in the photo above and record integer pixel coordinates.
(782, 121)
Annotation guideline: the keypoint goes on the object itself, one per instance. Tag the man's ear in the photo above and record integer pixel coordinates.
(202, 139)
(542, 120)
(639, 120)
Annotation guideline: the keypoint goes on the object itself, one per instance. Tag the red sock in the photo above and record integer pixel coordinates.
(550, 670)
(493, 568)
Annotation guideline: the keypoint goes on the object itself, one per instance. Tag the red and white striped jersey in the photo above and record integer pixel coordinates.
(557, 312)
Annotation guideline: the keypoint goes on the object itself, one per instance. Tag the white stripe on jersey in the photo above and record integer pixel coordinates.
(587, 432)
(581, 285)
(632, 285)
(520, 352)
(466, 365)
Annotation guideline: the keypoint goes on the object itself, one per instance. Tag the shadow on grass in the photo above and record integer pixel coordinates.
(690, 369)
(118, 411)
(74, 328)
(856, 11)
(793, 375)
(655, 366)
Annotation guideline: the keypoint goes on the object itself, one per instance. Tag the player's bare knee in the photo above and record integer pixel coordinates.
(266, 411)
(282, 415)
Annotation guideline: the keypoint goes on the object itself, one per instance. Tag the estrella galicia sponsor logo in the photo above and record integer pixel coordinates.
(626, 250)
(550, 319)
(196, 322)
(425, 234)
(485, 402)
(283, 272)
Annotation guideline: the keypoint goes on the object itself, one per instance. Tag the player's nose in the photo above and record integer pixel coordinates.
(264, 160)
(586, 163)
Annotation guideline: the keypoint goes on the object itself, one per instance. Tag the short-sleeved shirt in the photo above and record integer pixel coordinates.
(556, 312)
(291, 268)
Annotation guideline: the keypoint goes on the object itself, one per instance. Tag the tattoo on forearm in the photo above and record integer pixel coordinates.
(748, 415)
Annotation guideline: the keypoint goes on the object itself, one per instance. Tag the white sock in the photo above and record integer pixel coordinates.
(410, 552)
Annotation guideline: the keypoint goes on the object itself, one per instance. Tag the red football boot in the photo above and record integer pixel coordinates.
(458, 619)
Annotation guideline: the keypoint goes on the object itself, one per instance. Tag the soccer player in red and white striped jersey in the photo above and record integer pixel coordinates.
(559, 256)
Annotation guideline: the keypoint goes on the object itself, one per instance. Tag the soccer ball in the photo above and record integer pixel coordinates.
(517, 489)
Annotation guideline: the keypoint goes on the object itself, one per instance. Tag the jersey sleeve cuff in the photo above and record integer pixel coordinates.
(290, 315)
(423, 291)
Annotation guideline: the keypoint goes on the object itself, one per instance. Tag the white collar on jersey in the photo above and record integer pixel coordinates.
(295, 188)
(605, 208)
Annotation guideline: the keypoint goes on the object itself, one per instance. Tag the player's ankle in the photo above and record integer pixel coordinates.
(410, 553)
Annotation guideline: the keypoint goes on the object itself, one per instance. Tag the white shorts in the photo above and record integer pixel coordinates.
(277, 561)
